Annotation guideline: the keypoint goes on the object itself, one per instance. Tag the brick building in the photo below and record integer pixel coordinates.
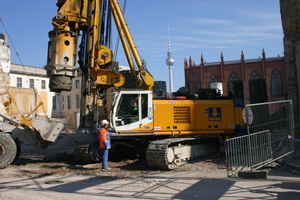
(252, 80)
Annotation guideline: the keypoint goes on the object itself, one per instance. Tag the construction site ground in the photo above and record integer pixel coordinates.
(53, 174)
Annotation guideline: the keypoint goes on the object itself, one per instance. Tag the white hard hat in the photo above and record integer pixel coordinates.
(104, 122)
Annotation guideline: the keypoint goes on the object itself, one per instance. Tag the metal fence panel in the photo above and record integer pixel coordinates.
(270, 136)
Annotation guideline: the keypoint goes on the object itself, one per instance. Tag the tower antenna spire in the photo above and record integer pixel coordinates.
(169, 40)
(170, 61)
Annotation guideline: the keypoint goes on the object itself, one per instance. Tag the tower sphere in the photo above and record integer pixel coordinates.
(170, 60)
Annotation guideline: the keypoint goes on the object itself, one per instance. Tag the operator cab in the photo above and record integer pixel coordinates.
(126, 116)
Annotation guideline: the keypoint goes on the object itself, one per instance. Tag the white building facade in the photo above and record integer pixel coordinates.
(25, 80)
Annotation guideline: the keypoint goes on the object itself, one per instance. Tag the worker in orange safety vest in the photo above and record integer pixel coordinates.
(105, 145)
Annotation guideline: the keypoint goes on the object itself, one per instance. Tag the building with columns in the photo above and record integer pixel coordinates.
(251, 80)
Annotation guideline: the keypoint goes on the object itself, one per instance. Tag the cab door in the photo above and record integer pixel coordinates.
(127, 118)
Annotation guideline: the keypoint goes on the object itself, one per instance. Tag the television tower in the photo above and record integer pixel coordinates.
(170, 61)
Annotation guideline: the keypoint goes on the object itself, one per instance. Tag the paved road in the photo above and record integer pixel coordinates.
(169, 185)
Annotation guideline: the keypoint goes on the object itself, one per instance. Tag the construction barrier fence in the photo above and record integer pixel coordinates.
(270, 136)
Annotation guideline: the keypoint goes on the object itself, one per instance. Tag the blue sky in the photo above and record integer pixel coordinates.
(196, 27)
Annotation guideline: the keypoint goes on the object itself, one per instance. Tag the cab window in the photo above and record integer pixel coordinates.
(130, 105)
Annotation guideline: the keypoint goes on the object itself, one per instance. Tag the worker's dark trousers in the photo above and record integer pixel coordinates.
(104, 158)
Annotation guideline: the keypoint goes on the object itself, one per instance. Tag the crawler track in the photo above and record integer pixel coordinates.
(174, 152)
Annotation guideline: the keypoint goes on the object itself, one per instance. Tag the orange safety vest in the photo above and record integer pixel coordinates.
(103, 137)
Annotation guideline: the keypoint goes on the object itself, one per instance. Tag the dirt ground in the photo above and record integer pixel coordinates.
(58, 160)
(53, 174)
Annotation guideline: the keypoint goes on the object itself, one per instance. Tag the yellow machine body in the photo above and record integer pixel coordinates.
(175, 117)
(195, 116)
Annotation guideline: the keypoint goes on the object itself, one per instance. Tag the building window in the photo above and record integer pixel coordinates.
(62, 102)
(43, 84)
(19, 82)
(254, 75)
(31, 83)
(276, 84)
(77, 101)
(77, 84)
(198, 85)
(233, 77)
(212, 79)
(54, 103)
(69, 102)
